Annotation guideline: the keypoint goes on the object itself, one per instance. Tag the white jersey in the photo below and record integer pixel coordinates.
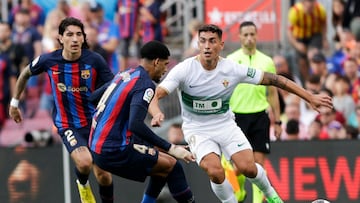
(205, 95)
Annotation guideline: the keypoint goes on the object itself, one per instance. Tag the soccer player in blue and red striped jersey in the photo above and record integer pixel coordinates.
(74, 73)
(121, 142)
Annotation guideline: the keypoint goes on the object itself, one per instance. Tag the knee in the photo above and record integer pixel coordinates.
(215, 173)
(84, 164)
(249, 171)
(103, 177)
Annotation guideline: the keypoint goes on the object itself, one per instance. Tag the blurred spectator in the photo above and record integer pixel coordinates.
(342, 100)
(331, 128)
(128, 20)
(338, 7)
(292, 112)
(351, 71)
(307, 114)
(307, 27)
(37, 15)
(336, 59)
(150, 18)
(26, 35)
(318, 66)
(352, 17)
(292, 129)
(193, 28)
(282, 67)
(175, 134)
(92, 40)
(314, 129)
(108, 34)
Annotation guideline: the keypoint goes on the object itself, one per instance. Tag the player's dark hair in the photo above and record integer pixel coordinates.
(211, 28)
(75, 22)
(247, 23)
(153, 50)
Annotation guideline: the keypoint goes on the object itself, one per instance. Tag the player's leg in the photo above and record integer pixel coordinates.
(258, 196)
(106, 187)
(236, 181)
(178, 185)
(222, 188)
(75, 141)
(244, 161)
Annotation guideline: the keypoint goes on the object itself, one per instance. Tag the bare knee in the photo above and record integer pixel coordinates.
(102, 177)
(82, 159)
(214, 170)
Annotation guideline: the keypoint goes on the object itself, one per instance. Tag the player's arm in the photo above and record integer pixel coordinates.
(21, 82)
(139, 128)
(154, 108)
(273, 99)
(282, 82)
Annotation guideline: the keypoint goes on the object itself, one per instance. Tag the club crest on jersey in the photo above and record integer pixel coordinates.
(125, 76)
(148, 95)
(251, 72)
(85, 74)
(225, 82)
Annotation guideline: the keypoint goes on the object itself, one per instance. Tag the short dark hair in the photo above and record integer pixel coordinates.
(75, 22)
(247, 23)
(211, 28)
(153, 50)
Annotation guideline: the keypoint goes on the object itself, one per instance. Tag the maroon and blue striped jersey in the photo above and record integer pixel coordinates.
(72, 82)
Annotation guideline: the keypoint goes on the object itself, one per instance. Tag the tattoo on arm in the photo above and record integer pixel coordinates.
(276, 80)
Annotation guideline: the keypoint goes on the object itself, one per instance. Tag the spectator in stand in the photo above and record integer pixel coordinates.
(342, 99)
(318, 66)
(337, 19)
(27, 36)
(128, 19)
(92, 40)
(351, 71)
(352, 17)
(49, 43)
(36, 13)
(307, 27)
(330, 126)
(314, 129)
(193, 28)
(313, 85)
(292, 129)
(355, 52)
(292, 112)
(108, 34)
(150, 20)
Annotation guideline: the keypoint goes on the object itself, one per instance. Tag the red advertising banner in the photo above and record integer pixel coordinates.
(227, 14)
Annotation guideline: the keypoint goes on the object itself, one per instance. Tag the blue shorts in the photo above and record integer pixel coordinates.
(135, 162)
(75, 137)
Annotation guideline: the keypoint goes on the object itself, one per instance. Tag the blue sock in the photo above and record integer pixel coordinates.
(148, 199)
(155, 186)
(178, 186)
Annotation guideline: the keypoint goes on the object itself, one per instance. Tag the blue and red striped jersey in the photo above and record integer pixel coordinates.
(128, 11)
(110, 127)
(72, 82)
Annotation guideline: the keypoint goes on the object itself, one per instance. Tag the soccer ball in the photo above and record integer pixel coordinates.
(320, 201)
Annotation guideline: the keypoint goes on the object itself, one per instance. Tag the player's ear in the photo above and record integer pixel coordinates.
(156, 61)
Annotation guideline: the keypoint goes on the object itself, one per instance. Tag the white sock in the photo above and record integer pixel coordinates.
(224, 192)
(263, 182)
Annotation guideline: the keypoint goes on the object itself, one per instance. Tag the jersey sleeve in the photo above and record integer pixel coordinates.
(174, 78)
(104, 73)
(37, 65)
(248, 74)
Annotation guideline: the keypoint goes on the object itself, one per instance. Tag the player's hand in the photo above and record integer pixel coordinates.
(277, 131)
(180, 152)
(157, 120)
(15, 114)
(318, 100)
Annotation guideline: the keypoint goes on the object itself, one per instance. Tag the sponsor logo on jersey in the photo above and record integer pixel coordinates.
(251, 72)
(62, 88)
(148, 95)
(85, 74)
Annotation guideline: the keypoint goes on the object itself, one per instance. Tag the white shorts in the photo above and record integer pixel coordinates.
(227, 139)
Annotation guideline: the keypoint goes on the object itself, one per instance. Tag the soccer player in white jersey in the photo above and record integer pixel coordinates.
(205, 83)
